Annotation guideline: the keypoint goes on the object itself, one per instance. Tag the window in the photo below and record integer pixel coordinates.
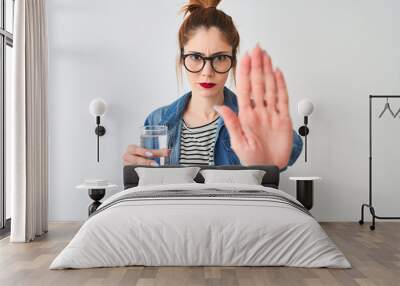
(6, 61)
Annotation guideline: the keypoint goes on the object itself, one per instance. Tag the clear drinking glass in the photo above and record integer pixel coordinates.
(154, 137)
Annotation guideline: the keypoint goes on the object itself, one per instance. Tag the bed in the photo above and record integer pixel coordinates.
(201, 224)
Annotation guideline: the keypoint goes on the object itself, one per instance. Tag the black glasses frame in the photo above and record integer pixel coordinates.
(207, 59)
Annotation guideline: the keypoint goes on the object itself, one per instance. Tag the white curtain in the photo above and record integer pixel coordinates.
(26, 129)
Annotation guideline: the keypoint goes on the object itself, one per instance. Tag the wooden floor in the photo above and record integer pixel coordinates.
(375, 257)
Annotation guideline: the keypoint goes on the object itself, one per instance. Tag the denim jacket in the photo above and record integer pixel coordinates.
(171, 115)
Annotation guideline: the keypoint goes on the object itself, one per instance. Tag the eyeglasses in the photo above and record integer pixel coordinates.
(195, 63)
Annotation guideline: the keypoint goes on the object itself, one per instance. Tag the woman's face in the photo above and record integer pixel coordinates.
(207, 43)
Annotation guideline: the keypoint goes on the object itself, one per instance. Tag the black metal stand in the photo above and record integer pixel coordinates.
(303, 131)
(100, 131)
(369, 205)
(96, 195)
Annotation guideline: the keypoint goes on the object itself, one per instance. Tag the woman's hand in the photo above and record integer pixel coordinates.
(136, 155)
(261, 134)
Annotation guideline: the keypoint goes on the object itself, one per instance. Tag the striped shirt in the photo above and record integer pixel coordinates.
(197, 144)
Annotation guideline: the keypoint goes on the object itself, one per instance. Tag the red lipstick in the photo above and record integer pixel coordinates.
(207, 84)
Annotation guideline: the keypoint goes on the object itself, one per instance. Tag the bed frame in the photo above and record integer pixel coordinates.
(270, 179)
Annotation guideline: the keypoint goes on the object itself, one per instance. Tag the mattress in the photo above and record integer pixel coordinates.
(201, 225)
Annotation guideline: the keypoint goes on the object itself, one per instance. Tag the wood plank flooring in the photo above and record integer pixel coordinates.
(375, 257)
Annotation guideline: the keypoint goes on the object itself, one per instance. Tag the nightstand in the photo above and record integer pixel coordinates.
(305, 190)
(96, 193)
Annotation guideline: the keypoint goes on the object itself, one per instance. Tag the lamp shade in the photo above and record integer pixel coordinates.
(97, 107)
(305, 107)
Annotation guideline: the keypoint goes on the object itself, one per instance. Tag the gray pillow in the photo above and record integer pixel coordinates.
(162, 176)
(250, 177)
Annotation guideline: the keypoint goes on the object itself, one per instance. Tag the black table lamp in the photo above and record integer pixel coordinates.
(305, 108)
(97, 108)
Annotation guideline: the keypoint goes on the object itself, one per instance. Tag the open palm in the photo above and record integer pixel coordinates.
(261, 134)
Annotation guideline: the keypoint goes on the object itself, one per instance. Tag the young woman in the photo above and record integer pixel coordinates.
(211, 125)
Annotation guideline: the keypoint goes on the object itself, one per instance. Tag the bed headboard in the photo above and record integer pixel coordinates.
(270, 179)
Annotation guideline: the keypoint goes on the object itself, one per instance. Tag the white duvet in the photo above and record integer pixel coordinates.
(200, 231)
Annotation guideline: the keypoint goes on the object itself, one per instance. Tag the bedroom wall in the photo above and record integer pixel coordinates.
(335, 53)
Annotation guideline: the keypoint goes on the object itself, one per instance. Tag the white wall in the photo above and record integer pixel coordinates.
(335, 53)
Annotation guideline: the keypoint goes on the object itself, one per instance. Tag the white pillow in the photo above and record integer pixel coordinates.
(250, 177)
(162, 176)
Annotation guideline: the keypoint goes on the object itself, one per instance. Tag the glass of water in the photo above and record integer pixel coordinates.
(154, 137)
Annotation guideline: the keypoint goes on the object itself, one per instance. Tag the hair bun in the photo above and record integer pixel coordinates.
(194, 5)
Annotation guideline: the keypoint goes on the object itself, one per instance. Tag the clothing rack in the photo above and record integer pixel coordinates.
(369, 205)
